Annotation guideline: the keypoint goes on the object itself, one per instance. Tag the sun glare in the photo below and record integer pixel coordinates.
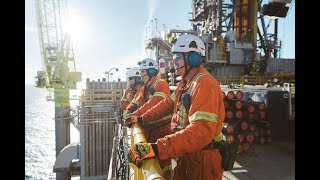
(77, 27)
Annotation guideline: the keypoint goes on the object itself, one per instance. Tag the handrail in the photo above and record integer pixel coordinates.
(250, 80)
(118, 165)
(150, 168)
(112, 160)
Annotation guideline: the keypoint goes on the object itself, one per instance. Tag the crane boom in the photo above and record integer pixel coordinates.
(56, 54)
(56, 49)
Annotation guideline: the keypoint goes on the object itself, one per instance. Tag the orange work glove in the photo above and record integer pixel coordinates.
(132, 119)
(141, 151)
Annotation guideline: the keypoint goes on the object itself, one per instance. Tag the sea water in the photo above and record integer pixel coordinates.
(40, 133)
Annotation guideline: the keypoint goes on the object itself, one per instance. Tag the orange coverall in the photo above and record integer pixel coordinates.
(145, 101)
(127, 97)
(193, 130)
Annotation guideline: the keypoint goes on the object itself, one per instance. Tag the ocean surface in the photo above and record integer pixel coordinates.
(40, 133)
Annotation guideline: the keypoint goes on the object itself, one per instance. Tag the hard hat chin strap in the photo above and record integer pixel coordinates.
(187, 66)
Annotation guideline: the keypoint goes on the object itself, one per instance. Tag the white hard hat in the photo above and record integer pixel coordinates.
(187, 43)
(133, 72)
(149, 63)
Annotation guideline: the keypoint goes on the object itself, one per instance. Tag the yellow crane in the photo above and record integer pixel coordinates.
(59, 73)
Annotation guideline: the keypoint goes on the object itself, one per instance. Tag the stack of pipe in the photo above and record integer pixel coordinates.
(245, 122)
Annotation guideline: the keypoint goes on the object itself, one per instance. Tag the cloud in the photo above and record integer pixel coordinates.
(152, 6)
(150, 24)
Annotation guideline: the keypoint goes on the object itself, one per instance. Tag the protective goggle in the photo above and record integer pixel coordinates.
(131, 78)
(177, 56)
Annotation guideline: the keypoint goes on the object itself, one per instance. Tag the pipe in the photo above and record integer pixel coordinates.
(183, 31)
(150, 168)
(62, 124)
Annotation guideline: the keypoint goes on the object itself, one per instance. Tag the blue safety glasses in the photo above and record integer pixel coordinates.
(177, 56)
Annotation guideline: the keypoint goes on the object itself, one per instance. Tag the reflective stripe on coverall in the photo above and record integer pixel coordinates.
(147, 101)
(200, 126)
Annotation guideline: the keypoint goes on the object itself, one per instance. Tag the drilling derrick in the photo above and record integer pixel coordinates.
(229, 28)
(59, 73)
(233, 34)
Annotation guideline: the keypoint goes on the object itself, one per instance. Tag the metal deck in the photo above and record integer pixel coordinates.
(272, 161)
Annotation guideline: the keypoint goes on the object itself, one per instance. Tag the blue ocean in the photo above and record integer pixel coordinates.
(40, 133)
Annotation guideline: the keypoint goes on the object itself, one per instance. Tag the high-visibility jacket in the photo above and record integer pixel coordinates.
(148, 97)
(127, 97)
(195, 126)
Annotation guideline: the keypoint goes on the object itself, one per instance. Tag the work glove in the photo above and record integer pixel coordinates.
(132, 119)
(141, 151)
(126, 114)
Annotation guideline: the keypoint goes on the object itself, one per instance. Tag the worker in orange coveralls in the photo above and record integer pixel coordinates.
(135, 84)
(153, 91)
(198, 115)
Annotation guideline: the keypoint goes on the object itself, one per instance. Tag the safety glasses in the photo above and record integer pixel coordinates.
(143, 71)
(176, 57)
(130, 78)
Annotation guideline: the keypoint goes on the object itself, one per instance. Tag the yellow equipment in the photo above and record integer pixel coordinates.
(150, 168)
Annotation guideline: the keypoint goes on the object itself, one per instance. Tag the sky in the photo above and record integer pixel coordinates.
(112, 33)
